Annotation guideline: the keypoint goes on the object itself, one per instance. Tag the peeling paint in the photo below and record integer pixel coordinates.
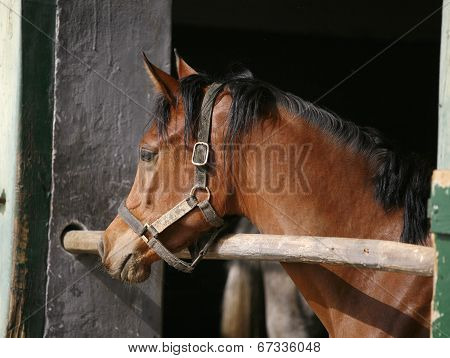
(435, 315)
(10, 65)
(441, 178)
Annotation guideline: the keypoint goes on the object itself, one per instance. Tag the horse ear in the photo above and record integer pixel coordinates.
(163, 82)
(183, 69)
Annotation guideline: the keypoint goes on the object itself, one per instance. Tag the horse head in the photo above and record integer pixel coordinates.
(166, 189)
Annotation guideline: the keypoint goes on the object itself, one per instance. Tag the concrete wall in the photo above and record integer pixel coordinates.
(102, 99)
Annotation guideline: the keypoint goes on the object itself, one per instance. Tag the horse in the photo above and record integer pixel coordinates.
(240, 146)
(259, 297)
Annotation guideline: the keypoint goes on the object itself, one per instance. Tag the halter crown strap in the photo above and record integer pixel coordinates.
(200, 156)
(200, 153)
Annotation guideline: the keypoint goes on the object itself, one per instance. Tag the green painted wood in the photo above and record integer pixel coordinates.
(10, 66)
(440, 209)
(441, 300)
(444, 91)
(26, 77)
(440, 225)
(440, 201)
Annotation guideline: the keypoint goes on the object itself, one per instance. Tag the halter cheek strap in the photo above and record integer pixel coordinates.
(200, 156)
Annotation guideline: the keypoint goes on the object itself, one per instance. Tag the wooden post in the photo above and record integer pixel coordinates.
(440, 197)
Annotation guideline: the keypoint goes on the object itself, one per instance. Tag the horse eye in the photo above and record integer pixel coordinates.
(147, 155)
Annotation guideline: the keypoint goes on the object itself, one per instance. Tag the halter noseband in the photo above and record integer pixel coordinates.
(200, 156)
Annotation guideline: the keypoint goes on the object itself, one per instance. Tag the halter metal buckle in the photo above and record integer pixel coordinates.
(194, 152)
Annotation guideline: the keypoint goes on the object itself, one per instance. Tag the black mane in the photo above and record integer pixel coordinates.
(401, 180)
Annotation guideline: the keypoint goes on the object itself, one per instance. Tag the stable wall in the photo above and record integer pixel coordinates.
(102, 100)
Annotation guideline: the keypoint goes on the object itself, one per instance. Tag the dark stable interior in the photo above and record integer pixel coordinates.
(308, 48)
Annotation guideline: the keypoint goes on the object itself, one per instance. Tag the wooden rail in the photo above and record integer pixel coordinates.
(370, 254)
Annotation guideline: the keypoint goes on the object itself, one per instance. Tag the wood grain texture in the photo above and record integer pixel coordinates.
(371, 254)
(444, 91)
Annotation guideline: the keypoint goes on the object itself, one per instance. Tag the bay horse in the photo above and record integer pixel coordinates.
(259, 298)
(290, 167)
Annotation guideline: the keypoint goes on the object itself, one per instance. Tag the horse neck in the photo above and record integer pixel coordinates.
(326, 190)
(296, 179)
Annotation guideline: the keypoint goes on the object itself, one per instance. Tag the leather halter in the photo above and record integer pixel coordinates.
(200, 157)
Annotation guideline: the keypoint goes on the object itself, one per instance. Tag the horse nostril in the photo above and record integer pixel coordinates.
(101, 249)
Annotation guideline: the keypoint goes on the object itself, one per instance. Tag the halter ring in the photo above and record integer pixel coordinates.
(197, 187)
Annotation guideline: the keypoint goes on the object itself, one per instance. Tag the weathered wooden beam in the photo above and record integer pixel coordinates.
(82, 242)
(371, 254)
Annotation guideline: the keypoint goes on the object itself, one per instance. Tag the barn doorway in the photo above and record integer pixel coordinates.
(307, 48)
